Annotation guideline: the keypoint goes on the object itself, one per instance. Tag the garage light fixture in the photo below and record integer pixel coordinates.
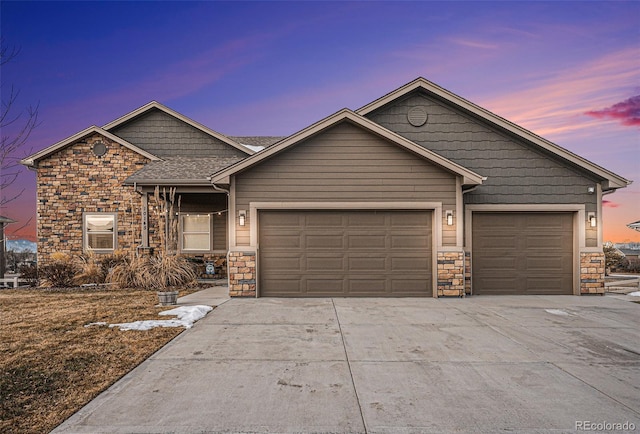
(242, 216)
(449, 214)
(591, 217)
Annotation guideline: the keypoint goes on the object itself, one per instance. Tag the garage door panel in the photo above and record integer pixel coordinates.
(328, 265)
(317, 285)
(365, 286)
(368, 219)
(346, 253)
(368, 242)
(410, 220)
(326, 220)
(324, 241)
(284, 241)
(522, 253)
(281, 261)
(366, 264)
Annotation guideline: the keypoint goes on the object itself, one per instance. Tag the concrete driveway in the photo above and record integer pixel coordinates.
(480, 364)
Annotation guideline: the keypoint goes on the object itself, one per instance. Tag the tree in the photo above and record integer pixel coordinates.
(613, 257)
(21, 124)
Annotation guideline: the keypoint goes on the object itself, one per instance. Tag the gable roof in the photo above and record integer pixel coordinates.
(612, 181)
(155, 105)
(33, 159)
(469, 177)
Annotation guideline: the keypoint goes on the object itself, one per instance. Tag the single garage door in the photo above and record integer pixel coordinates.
(522, 253)
(345, 253)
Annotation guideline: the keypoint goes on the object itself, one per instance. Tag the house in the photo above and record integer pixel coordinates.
(419, 193)
(3, 222)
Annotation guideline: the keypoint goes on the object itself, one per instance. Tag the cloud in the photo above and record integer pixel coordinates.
(610, 204)
(627, 112)
(555, 104)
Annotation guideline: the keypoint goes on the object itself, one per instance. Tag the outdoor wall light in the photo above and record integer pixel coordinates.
(592, 219)
(242, 217)
(449, 214)
(591, 190)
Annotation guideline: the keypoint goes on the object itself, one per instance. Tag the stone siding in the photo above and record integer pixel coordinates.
(73, 181)
(592, 273)
(242, 274)
(451, 274)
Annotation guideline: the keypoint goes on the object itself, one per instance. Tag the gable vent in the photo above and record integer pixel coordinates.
(417, 116)
(99, 149)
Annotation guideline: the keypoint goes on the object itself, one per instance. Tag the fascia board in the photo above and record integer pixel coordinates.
(168, 182)
(34, 158)
(183, 118)
(614, 180)
(470, 178)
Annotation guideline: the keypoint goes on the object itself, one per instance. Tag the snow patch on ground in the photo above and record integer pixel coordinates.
(557, 312)
(634, 294)
(187, 315)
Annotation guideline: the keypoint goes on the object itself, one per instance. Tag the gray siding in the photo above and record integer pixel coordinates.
(165, 136)
(346, 163)
(517, 173)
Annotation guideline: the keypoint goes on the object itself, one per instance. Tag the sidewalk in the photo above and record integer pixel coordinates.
(214, 296)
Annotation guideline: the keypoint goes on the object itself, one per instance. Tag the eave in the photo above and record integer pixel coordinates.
(32, 160)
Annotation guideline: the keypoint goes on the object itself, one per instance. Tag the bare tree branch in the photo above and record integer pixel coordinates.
(22, 123)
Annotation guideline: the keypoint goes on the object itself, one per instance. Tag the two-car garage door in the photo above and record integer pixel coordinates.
(314, 253)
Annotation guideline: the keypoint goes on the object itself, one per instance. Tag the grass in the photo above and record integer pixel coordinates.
(51, 365)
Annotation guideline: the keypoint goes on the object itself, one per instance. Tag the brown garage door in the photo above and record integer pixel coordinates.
(522, 253)
(344, 253)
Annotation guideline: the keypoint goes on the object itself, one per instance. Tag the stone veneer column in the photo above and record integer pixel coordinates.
(451, 278)
(242, 274)
(467, 273)
(592, 266)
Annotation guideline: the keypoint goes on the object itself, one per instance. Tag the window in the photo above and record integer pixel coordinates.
(196, 232)
(99, 231)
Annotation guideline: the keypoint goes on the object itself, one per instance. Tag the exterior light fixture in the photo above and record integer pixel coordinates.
(449, 214)
(591, 190)
(242, 217)
(592, 219)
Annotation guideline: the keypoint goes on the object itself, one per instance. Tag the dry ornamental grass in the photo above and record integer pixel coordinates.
(51, 364)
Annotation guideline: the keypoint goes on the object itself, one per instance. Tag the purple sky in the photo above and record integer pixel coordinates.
(569, 71)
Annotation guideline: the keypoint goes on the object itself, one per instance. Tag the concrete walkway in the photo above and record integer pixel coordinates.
(480, 364)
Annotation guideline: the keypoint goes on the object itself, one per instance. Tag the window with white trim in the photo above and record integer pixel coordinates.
(196, 232)
(99, 231)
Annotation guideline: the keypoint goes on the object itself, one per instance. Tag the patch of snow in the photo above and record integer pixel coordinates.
(187, 315)
(634, 294)
(101, 323)
(254, 148)
(557, 312)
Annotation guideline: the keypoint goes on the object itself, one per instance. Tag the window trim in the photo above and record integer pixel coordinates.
(85, 232)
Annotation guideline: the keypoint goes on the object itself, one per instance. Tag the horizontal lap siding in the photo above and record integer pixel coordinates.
(345, 163)
(516, 173)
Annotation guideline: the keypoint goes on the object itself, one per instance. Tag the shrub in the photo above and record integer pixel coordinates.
(29, 272)
(153, 272)
(59, 273)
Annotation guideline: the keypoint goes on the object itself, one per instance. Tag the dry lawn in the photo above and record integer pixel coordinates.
(51, 365)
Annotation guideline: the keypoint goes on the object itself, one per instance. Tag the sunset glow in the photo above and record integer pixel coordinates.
(568, 71)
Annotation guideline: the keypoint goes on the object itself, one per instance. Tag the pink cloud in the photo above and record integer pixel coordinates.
(610, 204)
(627, 112)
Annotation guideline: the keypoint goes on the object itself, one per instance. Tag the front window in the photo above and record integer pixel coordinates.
(196, 232)
(100, 231)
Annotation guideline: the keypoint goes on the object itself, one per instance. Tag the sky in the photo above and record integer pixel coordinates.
(568, 71)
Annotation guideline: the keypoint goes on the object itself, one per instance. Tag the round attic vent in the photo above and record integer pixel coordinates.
(417, 116)
(99, 149)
